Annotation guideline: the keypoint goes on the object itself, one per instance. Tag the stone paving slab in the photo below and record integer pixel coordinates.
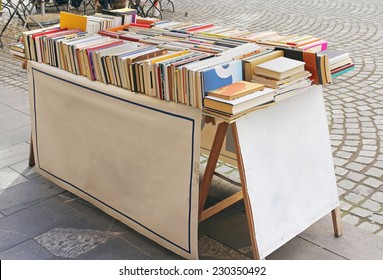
(13, 120)
(14, 99)
(210, 249)
(35, 220)
(29, 250)
(116, 249)
(148, 246)
(24, 169)
(9, 178)
(354, 244)
(300, 249)
(15, 136)
(26, 194)
(14, 154)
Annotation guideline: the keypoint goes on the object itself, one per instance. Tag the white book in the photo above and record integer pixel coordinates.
(241, 104)
(279, 68)
(335, 56)
(340, 63)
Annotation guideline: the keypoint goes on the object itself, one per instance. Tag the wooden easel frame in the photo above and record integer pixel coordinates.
(208, 176)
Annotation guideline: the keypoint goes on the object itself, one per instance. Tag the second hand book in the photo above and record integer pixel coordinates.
(279, 68)
(236, 90)
(242, 104)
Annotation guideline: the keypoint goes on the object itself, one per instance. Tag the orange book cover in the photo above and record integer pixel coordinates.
(147, 21)
(311, 65)
(118, 28)
(236, 90)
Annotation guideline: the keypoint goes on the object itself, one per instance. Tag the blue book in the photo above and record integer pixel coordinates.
(221, 75)
(342, 72)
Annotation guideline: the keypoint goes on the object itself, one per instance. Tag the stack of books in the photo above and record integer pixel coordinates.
(234, 100)
(285, 75)
(249, 63)
(339, 62)
(17, 50)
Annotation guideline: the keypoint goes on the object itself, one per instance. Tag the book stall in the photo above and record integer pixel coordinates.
(122, 106)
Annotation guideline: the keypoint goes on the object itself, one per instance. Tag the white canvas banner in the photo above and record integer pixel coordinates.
(288, 166)
(133, 156)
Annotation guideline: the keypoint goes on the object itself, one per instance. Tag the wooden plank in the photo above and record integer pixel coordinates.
(336, 222)
(249, 213)
(210, 166)
(221, 205)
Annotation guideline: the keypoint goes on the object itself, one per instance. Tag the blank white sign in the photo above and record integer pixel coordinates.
(288, 167)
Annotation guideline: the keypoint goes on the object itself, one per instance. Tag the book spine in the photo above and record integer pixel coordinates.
(342, 72)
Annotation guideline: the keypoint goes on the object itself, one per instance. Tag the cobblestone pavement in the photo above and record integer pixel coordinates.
(354, 102)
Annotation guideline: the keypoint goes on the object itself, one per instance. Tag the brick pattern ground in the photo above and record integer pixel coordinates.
(354, 102)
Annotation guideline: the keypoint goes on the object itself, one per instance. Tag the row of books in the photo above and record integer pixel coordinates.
(34, 42)
(270, 38)
(339, 62)
(184, 62)
(215, 38)
(181, 76)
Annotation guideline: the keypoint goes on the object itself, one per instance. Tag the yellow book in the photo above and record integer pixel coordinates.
(73, 21)
(168, 56)
(213, 35)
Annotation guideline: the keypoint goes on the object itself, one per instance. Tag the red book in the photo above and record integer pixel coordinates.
(46, 32)
(37, 43)
(108, 33)
(310, 60)
(139, 25)
(341, 68)
(127, 38)
(145, 21)
(192, 29)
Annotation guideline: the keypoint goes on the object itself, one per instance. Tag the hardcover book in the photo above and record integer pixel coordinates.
(236, 90)
(336, 56)
(278, 83)
(222, 75)
(279, 68)
(241, 104)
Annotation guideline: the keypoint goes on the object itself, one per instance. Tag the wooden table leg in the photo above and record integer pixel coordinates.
(249, 213)
(336, 222)
(31, 154)
(210, 166)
